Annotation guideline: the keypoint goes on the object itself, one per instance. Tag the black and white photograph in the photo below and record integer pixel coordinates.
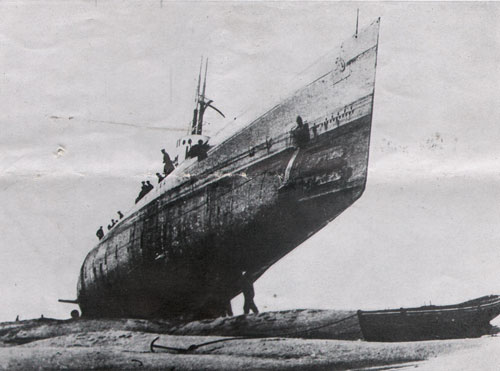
(222, 185)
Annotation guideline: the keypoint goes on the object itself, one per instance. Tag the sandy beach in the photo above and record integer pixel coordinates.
(125, 344)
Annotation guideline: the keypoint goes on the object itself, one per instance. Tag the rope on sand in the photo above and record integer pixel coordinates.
(193, 347)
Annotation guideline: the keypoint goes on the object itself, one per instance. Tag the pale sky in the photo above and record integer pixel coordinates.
(111, 83)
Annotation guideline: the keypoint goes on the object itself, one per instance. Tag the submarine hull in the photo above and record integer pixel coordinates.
(256, 197)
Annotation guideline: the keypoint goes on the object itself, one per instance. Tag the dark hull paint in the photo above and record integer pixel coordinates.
(467, 320)
(254, 199)
(206, 271)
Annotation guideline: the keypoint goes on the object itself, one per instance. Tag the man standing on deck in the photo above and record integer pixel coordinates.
(149, 187)
(248, 294)
(301, 132)
(168, 165)
(160, 177)
(100, 233)
(142, 192)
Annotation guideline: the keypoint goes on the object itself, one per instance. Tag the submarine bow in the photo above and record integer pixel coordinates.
(243, 205)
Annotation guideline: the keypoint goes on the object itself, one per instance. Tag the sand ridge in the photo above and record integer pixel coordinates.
(125, 344)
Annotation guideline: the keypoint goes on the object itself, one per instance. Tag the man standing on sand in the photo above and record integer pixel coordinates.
(228, 311)
(248, 294)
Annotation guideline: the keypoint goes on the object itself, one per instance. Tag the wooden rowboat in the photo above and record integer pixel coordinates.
(468, 319)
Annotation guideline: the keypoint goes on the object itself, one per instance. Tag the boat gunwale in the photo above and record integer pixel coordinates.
(493, 302)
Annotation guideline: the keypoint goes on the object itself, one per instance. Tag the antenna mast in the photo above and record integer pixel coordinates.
(196, 127)
(192, 127)
(202, 102)
(357, 20)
